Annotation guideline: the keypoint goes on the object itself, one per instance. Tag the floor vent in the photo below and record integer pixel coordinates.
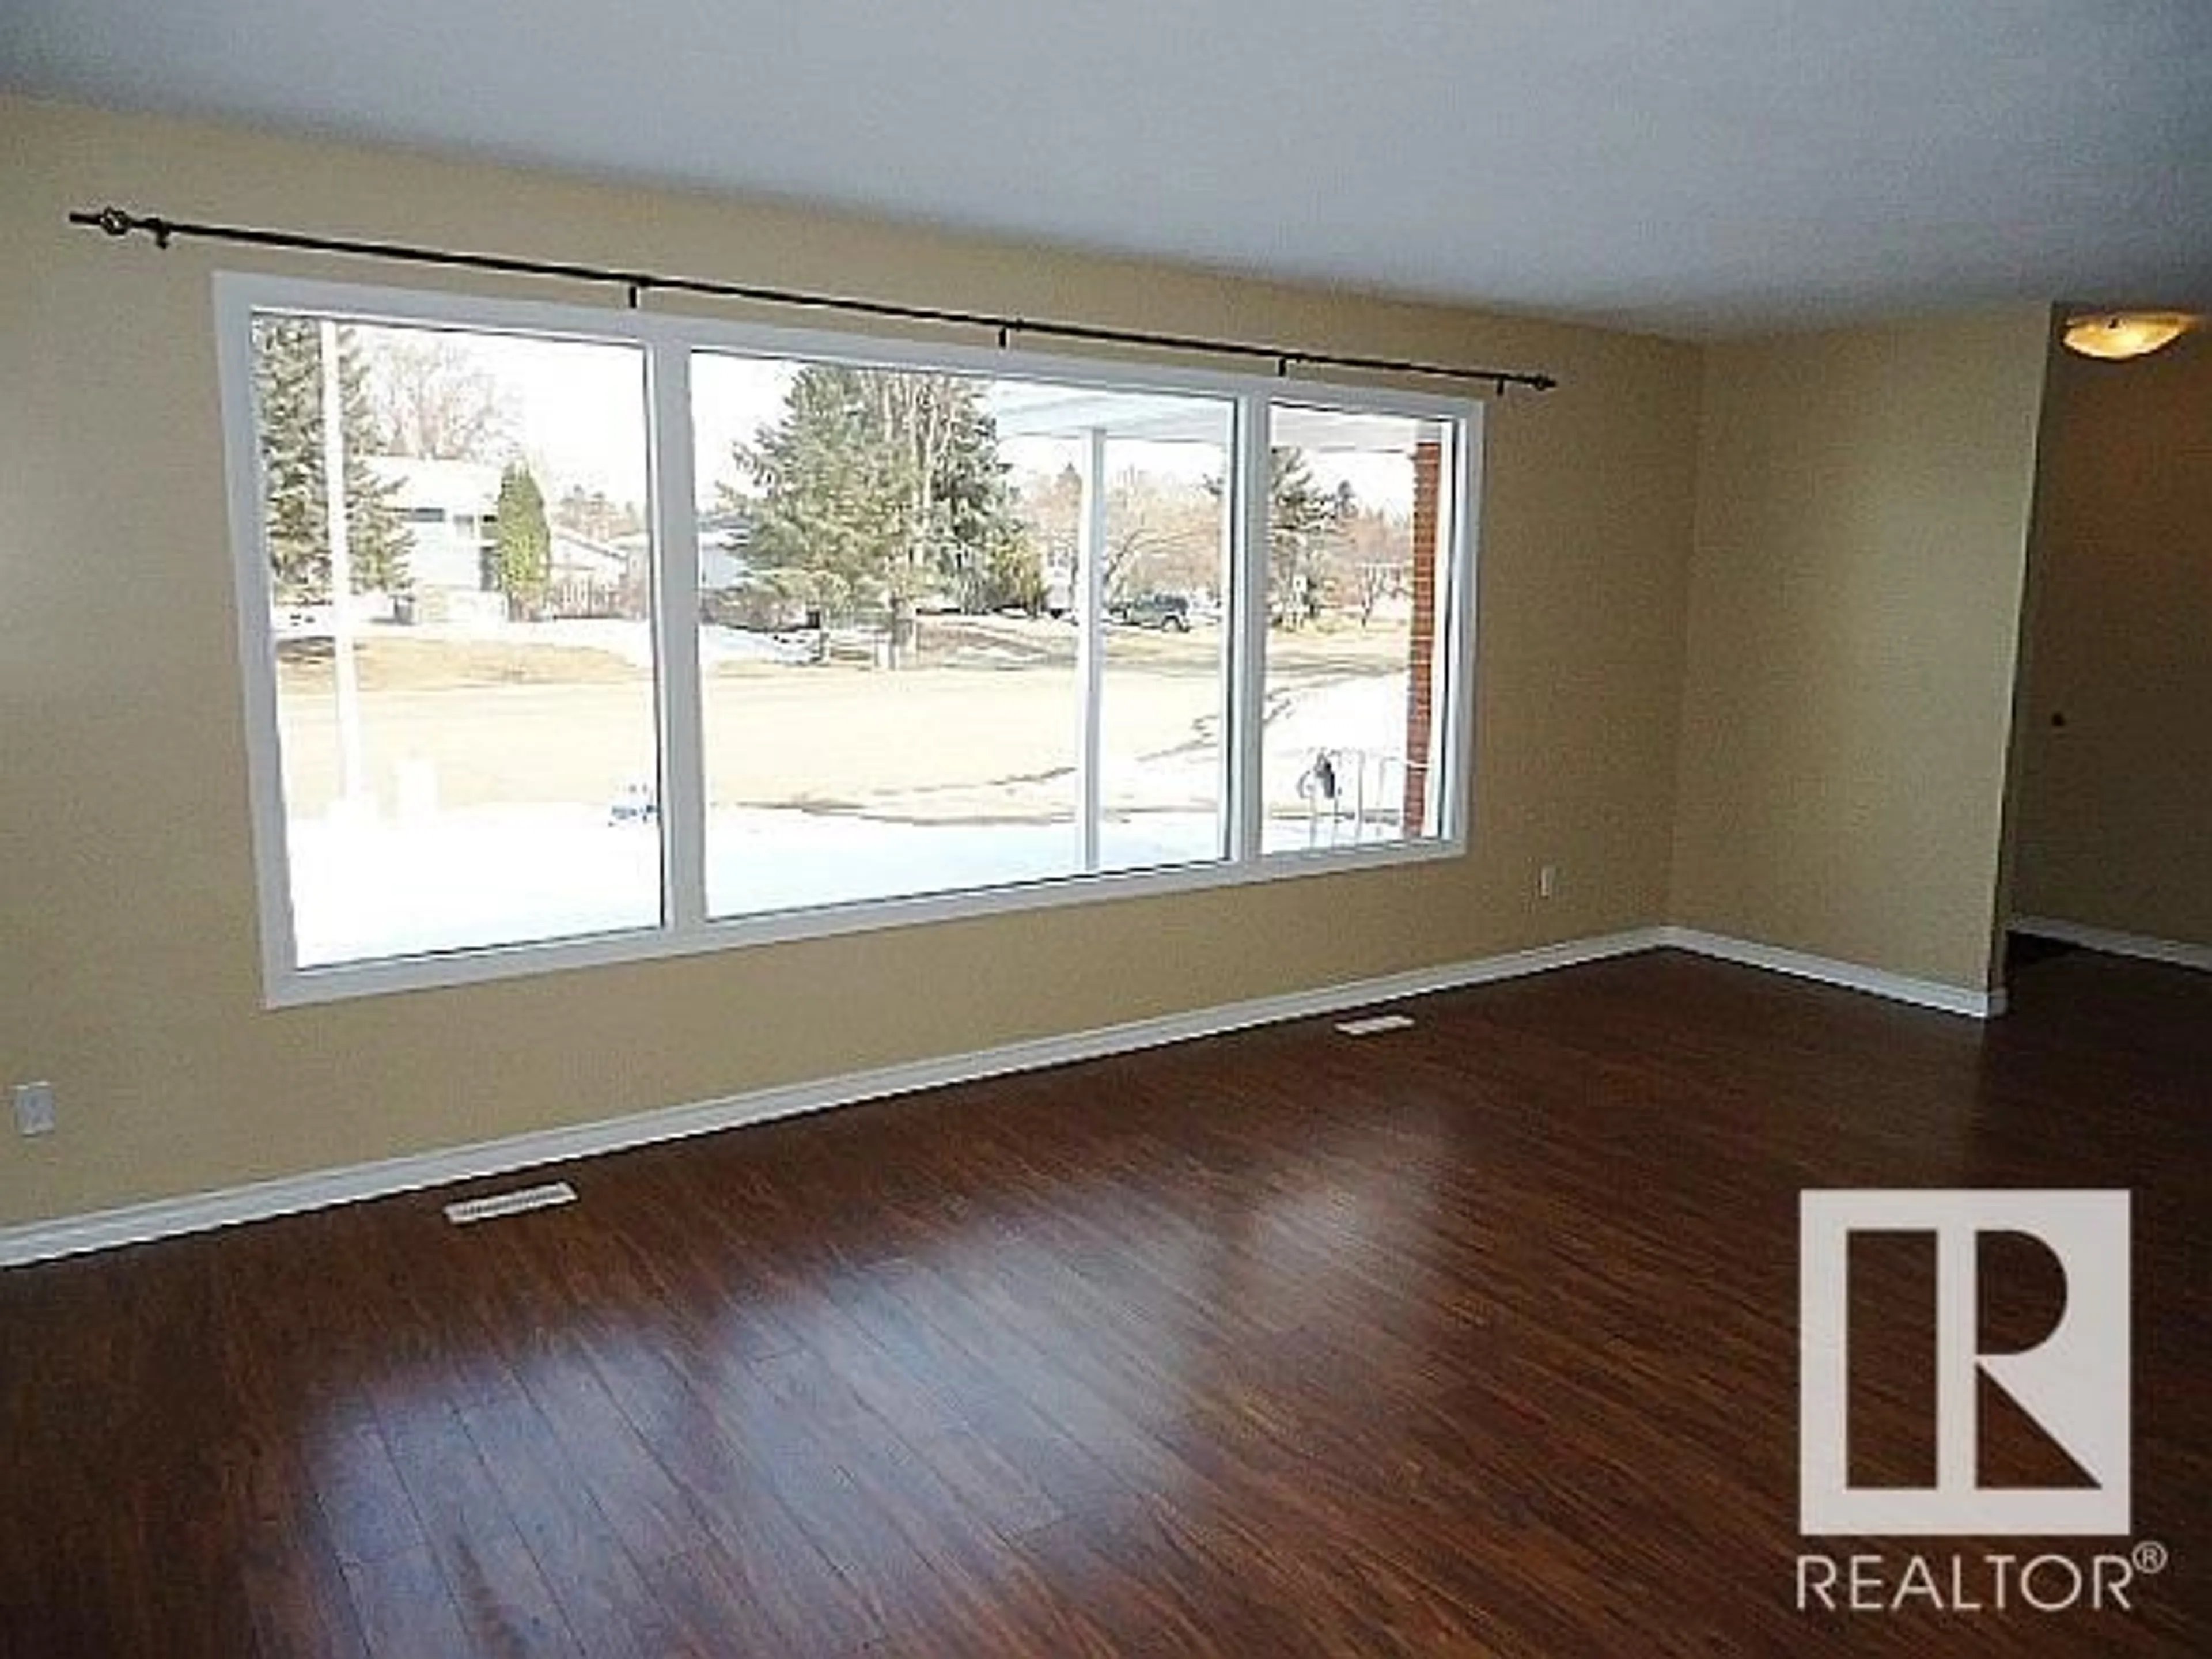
(1373, 1024)
(513, 1203)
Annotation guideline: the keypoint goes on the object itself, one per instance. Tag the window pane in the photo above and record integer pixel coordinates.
(465, 686)
(887, 709)
(1141, 475)
(1164, 724)
(1359, 511)
(892, 636)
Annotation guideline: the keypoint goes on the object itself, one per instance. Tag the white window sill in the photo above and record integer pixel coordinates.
(292, 988)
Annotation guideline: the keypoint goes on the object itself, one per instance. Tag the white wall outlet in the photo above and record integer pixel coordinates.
(34, 1108)
(1548, 881)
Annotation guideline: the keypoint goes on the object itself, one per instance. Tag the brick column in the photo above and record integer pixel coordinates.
(1421, 650)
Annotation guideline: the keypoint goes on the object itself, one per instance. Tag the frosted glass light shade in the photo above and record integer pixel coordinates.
(2117, 335)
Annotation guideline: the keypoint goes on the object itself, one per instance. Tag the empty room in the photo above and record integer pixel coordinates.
(1167, 830)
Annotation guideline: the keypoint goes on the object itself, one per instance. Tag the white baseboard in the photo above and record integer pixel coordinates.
(165, 1218)
(2177, 953)
(1975, 1004)
(136, 1224)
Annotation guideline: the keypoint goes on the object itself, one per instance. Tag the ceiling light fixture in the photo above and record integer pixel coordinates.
(2116, 336)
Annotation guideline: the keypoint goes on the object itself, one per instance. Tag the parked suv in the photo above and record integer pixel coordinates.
(1169, 612)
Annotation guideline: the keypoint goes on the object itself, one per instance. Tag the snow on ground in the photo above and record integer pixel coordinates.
(437, 878)
(632, 642)
(365, 888)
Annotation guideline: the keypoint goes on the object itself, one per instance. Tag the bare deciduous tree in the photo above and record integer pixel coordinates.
(1163, 534)
(434, 399)
(1377, 549)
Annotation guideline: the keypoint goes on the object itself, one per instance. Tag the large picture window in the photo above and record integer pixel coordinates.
(573, 635)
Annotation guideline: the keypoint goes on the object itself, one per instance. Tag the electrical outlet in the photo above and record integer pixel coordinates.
(1548, 881)
(34, 1108)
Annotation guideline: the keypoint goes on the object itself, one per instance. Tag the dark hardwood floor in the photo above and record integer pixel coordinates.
(1474, 1338)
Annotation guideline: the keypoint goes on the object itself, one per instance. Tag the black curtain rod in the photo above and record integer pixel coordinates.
(118, 223)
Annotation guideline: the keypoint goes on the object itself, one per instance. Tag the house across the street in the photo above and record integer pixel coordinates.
(450, 510)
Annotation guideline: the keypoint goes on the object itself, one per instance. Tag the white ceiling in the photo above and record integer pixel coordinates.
(1690, 167)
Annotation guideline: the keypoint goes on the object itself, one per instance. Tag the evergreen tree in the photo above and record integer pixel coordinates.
(983, 544)
(1304, 524)
(524, 549)
(1008, 573)
(887, 486)
(295, 507)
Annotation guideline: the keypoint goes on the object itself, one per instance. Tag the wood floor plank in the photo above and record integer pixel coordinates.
(404, 1608)
(608, 1604)
(365, 1503)
(495, 1583)
(1477, 1339)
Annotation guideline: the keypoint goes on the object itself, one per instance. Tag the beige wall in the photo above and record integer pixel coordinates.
(2114, 810)
(126, 910)
(1862, 510)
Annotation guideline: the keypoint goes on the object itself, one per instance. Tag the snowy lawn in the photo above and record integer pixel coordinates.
(486, 816)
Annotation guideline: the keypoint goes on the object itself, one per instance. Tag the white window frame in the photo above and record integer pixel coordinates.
(667, 341)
